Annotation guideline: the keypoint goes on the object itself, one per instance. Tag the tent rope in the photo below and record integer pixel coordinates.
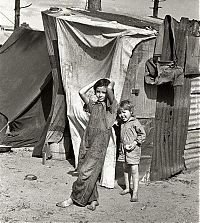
(7, 125)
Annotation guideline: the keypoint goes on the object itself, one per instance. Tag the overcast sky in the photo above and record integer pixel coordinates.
(32, 15)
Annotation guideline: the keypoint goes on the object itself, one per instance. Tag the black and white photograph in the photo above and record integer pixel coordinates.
(99, 111)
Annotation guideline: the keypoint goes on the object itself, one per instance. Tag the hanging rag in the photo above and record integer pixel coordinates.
(160, 71)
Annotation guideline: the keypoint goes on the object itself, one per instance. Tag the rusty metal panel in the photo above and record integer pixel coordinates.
(162, 155)
(192, 147)
(172, 114)
(171, 123)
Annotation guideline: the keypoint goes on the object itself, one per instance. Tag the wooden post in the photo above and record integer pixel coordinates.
(44, 153)
(155, 8)
(94, 5)
(17, 14)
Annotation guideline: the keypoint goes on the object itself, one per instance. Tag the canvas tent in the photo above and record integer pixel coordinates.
(25, 88)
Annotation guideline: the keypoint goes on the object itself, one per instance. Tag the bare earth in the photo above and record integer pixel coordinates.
(22, 200)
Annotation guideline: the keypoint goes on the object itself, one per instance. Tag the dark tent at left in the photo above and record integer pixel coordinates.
(26, 88)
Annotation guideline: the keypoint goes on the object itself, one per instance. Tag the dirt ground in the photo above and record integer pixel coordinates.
(22, 200)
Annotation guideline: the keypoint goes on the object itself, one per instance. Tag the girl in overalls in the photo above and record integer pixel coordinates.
(94, 143)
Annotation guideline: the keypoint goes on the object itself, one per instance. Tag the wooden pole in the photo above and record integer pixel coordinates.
(17, 14)
(94, 5)
(155, 8)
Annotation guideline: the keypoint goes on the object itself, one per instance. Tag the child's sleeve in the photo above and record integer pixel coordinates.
(114, 107)
(88, 107)
(112, 113)
(141, 135)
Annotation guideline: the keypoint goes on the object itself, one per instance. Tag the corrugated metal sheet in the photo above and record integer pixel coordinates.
(172, 114)
(195, 85)
(171, 123)
(192, 147)
(194, 119)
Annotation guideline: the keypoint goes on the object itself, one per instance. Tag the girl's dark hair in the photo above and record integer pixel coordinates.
(101, 83)
(126, 105)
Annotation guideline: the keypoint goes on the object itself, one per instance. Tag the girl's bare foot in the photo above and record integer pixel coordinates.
(126, 191)
(93, 205)
(65, 203)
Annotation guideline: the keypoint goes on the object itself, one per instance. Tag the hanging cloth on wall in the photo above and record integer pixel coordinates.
(158, 70)
(163, 72)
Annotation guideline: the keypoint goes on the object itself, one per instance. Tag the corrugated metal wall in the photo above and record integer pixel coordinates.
(172, 111)
(192, 147)
(170, 130)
